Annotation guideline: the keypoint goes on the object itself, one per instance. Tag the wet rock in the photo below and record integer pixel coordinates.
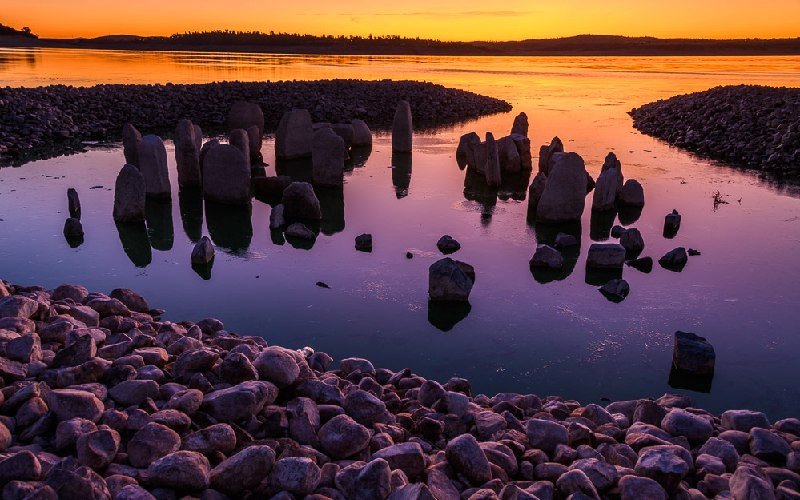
(327, 156)
(73, 228)
(203, 252)
(294, 135)
(187, 154)
(693, 354)
(631, 194)
(447, 282)
(547, 257)
(632, 240)
(447, 244)
(674, 260)
(153, 165)
(129, 195)
(467, 458)
(491, 169)
(243, 471)
(182, 471)
(298, 475)
(300, 203)
(605, 256)
(616, 290)
(226, 176)
(364, 242)
(130, 144)
(402, 129)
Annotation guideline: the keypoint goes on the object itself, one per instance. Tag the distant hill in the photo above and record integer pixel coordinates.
(9, 31)
(294, 43)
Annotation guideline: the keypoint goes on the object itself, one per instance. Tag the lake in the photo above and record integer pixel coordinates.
(560, 337)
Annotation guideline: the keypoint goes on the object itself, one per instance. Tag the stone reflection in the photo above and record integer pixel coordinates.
(298, 169)
(599, 277)
(476, 189)
(401, 173)
(629, 215)
(331, 201)
(191, 206)
(158, 213)
(683, 380)
(358, 157)
(601, 224)
(548, 234)
(514, 186)
(446, 315)
(135, 242)
(203, 270)
(230, 226)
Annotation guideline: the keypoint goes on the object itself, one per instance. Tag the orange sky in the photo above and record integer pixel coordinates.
(443, 19)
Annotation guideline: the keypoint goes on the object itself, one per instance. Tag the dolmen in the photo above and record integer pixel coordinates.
(494, 157)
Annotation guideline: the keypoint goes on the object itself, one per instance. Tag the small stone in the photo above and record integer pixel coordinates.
(447, 244)
(693, 354)
(203, 252)
(674, 260)
(643, 264)
(364, 242)
(615, 290)
(547, 257)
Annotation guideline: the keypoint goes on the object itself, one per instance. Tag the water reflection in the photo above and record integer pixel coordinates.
(191, 206)
(331, 201)
(358, 157)
(13, 57)
(203, 270)
(682, 380)
(446, 315)
(298, 169)
(629, 215)
(401, 173)
(230, 226)
(599, 277)
(600, 224)
(546, 235)
(74, 241)
(135, 243)
(158, 214)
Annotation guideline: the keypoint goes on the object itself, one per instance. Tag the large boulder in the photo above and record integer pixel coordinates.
(402, 128)
(327, 158)
(464, 151)
(508, 155)
(342, 437)
(631, 194)
(187, 154)
(605, 256)
(294, 135)
(564, 195)
(546, 153)
(245, 115)
(606, 190)
(153, 165)
(693, 354)
(226, 176)
(130, 144)
(448, 281)
(300, 202)
(362, 135)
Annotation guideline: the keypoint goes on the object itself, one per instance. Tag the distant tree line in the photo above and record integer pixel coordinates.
(232, 37)
(9, 31)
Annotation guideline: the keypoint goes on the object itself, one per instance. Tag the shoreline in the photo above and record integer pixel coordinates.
(104, 398)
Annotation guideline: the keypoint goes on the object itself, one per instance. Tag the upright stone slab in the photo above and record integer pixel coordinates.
(187, 154)
(523, 145)
(606, 190)
(546, 153)
(520, 125)
(294, 135)
(240, 140)
(254, 141)
(362, 135)
(345, 131)
(508, 155)
(327, 158)
(244, 115)
(300, 202)
(226, 175)
(492, 174)
(129, 195)
(564, 196)
(130, 144)
(73, 203)
(153, 165)
(465, 148)
(402, 128)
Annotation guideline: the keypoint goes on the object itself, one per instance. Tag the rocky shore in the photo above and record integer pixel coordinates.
(753, 126)
(47, 121)
(103, 399)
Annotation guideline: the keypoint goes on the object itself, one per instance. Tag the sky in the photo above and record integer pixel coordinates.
(442, 19)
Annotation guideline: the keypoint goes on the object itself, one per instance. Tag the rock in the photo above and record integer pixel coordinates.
(130, 144)
(467, 458)
(612, 162)
(97, 449)
(152, 442)
(345, 132)
(564, 240)
(606, 190)
(373, 481)
(293, 137)
(303, 421)
(508, 155)
(402, 129)
(545, 435)
(407, 457)
(327, 156)
(464, 152)
(564, 194)
(21, 466)
(632, 240)
(634, 488)
(547, 257)
(674, 260)
(226, 176)
(217, 438)
(240, 401)
(187, 154)
(245, 115)
(73, 228)
(576, 482)
(182, 470)
(743, 420)
(203, 252)
(768, 446)
(723, 450)
(129, 195)
(131, 299)
(75, 292)
(153, 165)
(271, 187)
(276, 219)
(749, 483)
(643, 264)
(535, 191)
(520, 125)
(447, 282)
(134, 392)
(67, 404)
(243, 471)
(297, 475)
(664, 464)
(70, 479)
(546, 155)
(672, 222)
(364, 242)
(631, 194)
(447, 244)
(362, 135)
(366, 409)
(605, 256)
(73, 203)
(133, 492)
(492, 171)
(17, 306)
(693, 354)
(238, 139)
(24, 349)
(695, 428)
(300, 203)
(81, 350)
(615, 290)
(342, 437)
(523, 145)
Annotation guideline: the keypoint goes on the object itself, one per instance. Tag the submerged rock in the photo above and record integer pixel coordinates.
(447, 244)
(605, 256)
(674, 260)
(643, 264)
(300, 202)
(364, 242)
(631, 194)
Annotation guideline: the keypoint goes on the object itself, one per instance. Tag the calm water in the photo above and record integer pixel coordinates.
(562, 337)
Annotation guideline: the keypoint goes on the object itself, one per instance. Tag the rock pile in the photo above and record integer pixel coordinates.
(493, 158)
(46, 121)
(754, 126)
(102, 399)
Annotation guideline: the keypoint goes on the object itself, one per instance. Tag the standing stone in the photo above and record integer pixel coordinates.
(610, 162)
(546, 153)
(130, 144)
(187, 154)
(402, 128)
(153, 165)
(535, 191)
(606, 190)
(343, 130)
(605, 256)
(464, 152)
(492, 172)
(693, 354)
(254, 141)
(226, 175)
(564, 195)
(520, 125)
(276, 219)
(244, 115)
(300, 202)
(448, 282)
(523, 145)
(129, 195)
(294, 135)
(508, 155)
(73, 203)
(327, 158)
(631, 194)
(672, 222)
(362, 135)
(203, 252)
(238, 138)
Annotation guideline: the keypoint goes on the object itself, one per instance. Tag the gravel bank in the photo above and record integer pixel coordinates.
(751, 126)
(46, 121)
(101, 399)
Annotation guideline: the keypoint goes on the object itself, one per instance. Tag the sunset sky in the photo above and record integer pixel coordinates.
(443, 19)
